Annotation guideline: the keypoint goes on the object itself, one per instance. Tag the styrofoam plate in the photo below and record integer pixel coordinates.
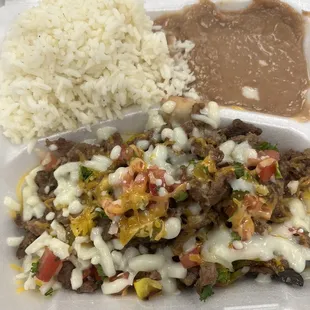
(247, 294)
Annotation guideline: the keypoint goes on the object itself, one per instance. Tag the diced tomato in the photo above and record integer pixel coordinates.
(91, 272)
(52, 161)
(158, 173)
(87, 273)
(257, 207)
(95, 274)
(154, 174)
(191, 258)
(49, 265)
(271, 153)
(126, 154)
(266, 169)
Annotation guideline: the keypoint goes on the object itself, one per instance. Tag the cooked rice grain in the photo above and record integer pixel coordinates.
(67, 63)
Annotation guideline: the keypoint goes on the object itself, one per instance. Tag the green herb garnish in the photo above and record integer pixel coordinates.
(181, 196)
(101, 213)
(239, 195)
(34, 268)
(239, 170)
(85, 173)
(205, 169)
(100, 271)
(235, 236)
(206, 292)
(192, 162)
(278, 173)
(267, 146)
(49, 292)
(223, 275)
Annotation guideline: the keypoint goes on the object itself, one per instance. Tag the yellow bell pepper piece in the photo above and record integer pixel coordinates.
(147, 287)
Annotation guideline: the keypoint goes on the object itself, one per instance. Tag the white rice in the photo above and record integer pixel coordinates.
(67, 63)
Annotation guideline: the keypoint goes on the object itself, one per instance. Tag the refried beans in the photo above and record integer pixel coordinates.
(252, 58)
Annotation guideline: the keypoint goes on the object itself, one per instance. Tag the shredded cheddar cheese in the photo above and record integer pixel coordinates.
(19, 187)
(16, 267)
(20, 290)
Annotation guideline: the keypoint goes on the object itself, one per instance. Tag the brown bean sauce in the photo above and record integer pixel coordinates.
(251, 58)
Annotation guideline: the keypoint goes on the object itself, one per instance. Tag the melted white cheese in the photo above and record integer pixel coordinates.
(117, 244)
(143, 144)
(30, 283)
(242, 152)
(162, 192)
(50, 216)
(147, 262)
(167, 133)
(300, 218)
(117, 176)
(189, 245)
(242, 185)
(158, 156)
(170, 271)
(99, 163)
(155, 120)
(116, 286)
(172, 227)
(176, 271)
(47, 286)
(58, 247)
(75, 207)
(12, 204)
(67, 177)
(76, 278)
(60, 231)
(194, 208)
(105, 133)
(104, 252)
(227, 148)
(116, 152)
(39, 243)
(293, 187)
(180, 139)
(216, 249)
(169, 179)
(209, 115)
(14, 241)
(32, 204)
(85, 251)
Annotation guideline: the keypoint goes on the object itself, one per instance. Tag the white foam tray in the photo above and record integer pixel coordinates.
(247, 294)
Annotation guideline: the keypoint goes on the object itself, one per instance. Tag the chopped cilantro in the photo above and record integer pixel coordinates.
(100, 271)
(239, 195)
(205, 169)
(101, 213)
(34, 268)
(278, 173)
(181, 196)
(192, 162)
(223, 275)
(239, 170)
(49, 292)
(267, 146)
(85, 173)
(206, 292)
(248, 176)
(235, 236)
